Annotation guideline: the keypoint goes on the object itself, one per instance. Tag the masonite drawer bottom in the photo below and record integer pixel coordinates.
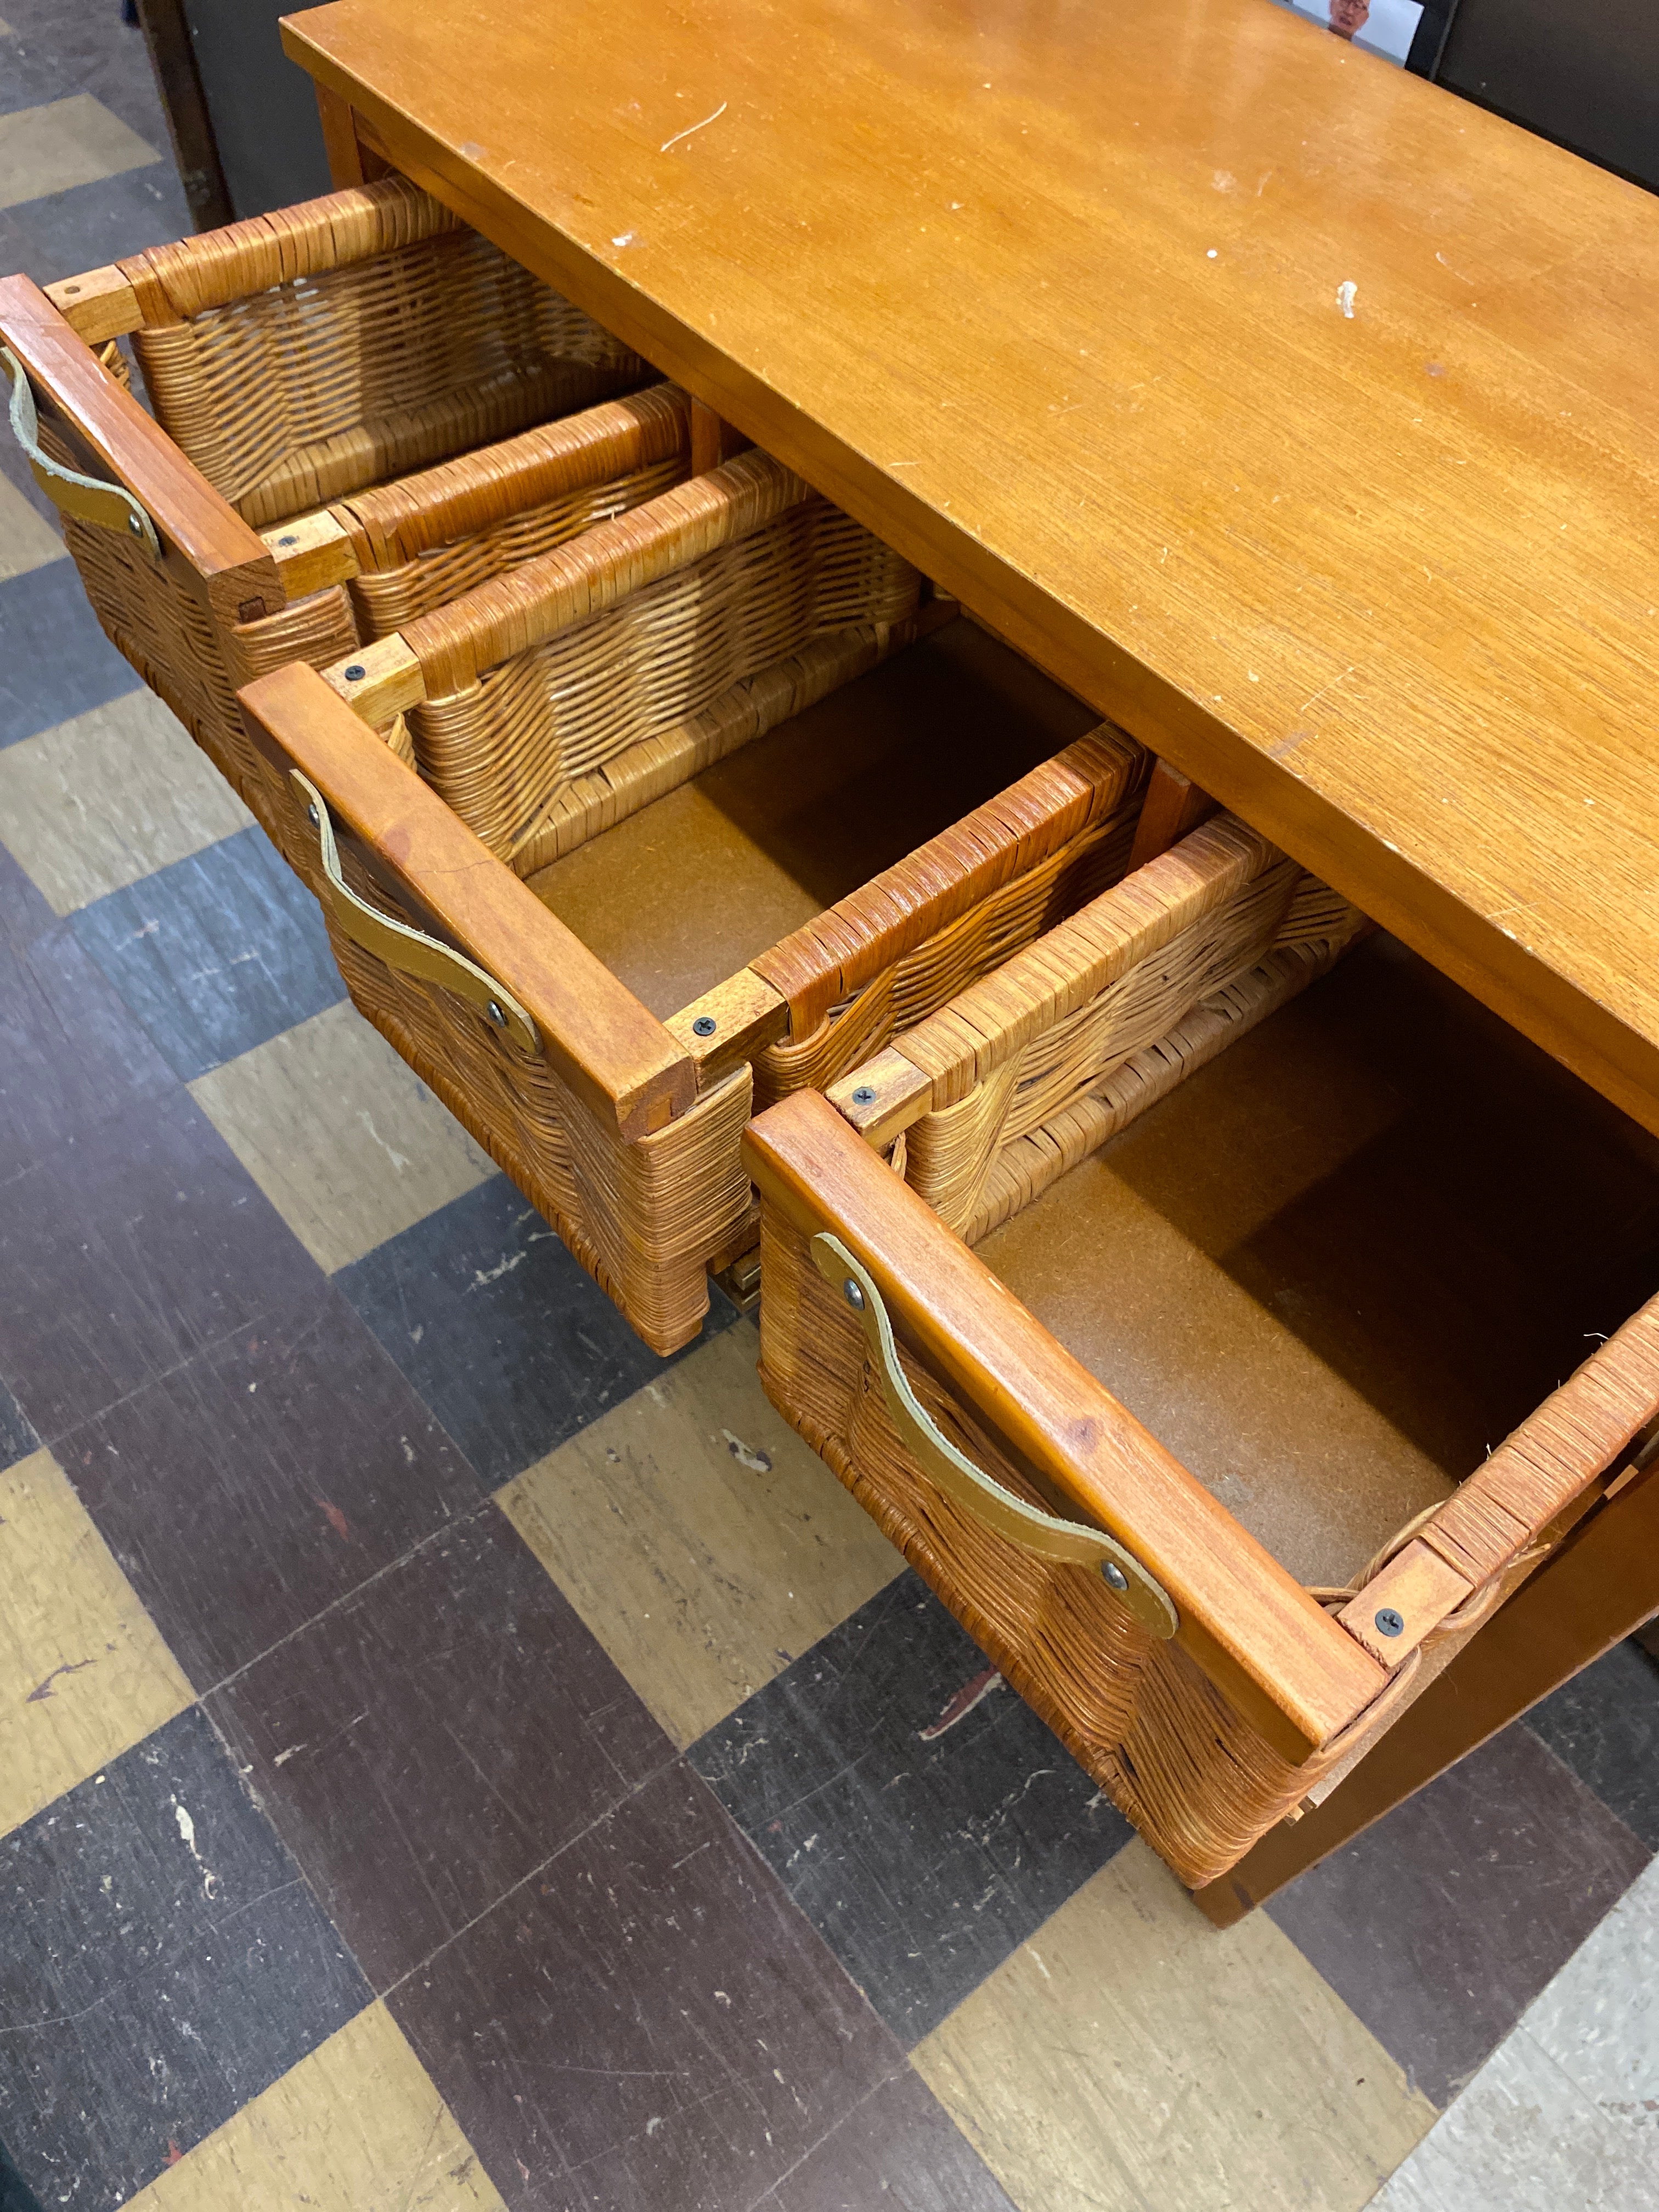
(1323, 1271)
(680, 896)
(1287, 1311)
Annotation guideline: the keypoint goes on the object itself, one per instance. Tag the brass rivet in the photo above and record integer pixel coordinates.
(852, 1294)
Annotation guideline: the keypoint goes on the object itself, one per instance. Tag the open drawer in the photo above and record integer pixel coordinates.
(312, 371)
(738, 888)
(1217, 1371)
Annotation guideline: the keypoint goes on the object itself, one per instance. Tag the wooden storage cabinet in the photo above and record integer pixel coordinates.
(1275, 1398)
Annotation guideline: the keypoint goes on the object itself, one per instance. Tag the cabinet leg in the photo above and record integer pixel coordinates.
(1598, 1588)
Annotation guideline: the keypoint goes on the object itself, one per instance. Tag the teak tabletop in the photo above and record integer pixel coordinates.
(1298, 415)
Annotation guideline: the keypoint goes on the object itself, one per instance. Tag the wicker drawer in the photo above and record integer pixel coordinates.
(734, 890)
(298, 365)
(1181, 1429)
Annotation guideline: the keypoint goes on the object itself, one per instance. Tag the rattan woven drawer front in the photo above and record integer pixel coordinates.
(362, 407)
(1281, 1272)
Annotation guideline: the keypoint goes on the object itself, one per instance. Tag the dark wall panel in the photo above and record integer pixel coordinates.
(263, 110)
(1585, 72)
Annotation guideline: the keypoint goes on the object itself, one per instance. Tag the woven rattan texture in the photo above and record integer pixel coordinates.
(320, 348)
(428, 538)
(1020, 865)
(506, 748)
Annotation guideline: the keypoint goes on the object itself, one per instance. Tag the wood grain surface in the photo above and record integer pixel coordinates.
(1058, 300)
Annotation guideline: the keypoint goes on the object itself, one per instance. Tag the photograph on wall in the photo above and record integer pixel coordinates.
(1379, 27)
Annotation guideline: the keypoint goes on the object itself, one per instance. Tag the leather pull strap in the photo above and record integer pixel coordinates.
(969, 1486)
(410, 951)
(88, 499)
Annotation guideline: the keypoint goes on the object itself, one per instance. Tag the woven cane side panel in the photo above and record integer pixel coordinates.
(1196, 1779)
(447, 330)
(1076, 1082)
(501, 750)
(971, 946)
(387, 601)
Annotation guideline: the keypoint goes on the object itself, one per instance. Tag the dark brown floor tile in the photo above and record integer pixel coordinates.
(648, 2026)
(266, 1478)
(430, 1740)
(899, 2152)
(1605, 1725)
(161, 1962)
(1442, 1923)
(71, 1057)
(124, 1251)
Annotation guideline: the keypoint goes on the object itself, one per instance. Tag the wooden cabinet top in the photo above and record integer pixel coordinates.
(1299, 416)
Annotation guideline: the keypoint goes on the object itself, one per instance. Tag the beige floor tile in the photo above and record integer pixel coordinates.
(84, 1674)
(697, 1537)
(343, 1137)
(1128, 2058)
(356, 2127)
(108, 798)
(28, 540)
(67, 142)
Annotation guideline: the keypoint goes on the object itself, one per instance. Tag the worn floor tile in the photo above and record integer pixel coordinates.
(264, 1479)
(71, 1057)
(17, 1438)
(24, 914)
(341, 1135)
(84, 1673)
(513, 1345)
(66, 141)
(1130, 2058)
(161, 1962)
(1522, 2138)
(216, 953)
(648, 2026)
(702, 1541)
(1598, 2018)
(917, 1811)
(427, 1742)
(54, 660)
(125, 1250)
(1441, 1924)
(356, 2127)
(110, 796)
(1605, 1725)
(59, 50)
(900, 2148)
(26, 540)
(91, 225)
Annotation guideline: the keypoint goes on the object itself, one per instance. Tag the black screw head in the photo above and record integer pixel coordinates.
(865, 1095)
(1114, 1577)
(289, 540)
(705, 1025)
(357, 672)
(1390, 1623)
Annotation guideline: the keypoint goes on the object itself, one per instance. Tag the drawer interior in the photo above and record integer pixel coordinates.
(683, 894)
(1340, 1262)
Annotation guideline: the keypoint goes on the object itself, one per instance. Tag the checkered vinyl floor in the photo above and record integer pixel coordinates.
(450, 1758)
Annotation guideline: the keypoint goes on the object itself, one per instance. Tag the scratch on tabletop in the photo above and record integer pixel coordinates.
(691, 127)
